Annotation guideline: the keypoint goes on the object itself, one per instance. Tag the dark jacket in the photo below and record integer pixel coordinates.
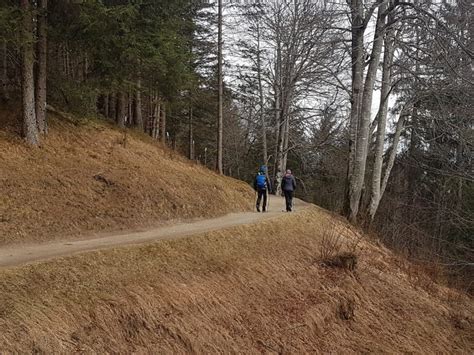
(288, 183)
(269, 186)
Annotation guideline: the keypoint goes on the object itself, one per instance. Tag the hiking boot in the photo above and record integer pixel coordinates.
(258, 209)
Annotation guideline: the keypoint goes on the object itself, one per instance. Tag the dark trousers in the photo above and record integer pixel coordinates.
(289, 200)
(262, 193)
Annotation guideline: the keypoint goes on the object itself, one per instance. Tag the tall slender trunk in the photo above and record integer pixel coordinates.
(121, 109)
(287, 115)
(138, 117)
(4, 71)
(106, 105)
(30, 128)
(393, 151)
(277, 172)
(376, 194)
(163, 123)
(220, 95)
(130, 109)
(286, 143)
(113, 106)
(357, 58)
(155, 127)
(191, 135)
(358, 176)
(279, 157)
(42, 59)
(261, 100)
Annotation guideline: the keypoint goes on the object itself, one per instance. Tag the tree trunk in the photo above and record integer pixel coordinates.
(113, 106)
(156, 120)
(287, 115)
(220, 95)
(138, 106)
(130, 109)
(286, 143)
(277, 173)
(357, 58)
(393, 151)
(191, 135)
(42, 58)
(163, 124)
(30, 128)
(279, 159)
(121, 109)
(261, 100)
(4, 71)
(376, 194)
(358, 175)
(106, 105)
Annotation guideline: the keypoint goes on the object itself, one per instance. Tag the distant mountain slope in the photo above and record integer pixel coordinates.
(89, 177)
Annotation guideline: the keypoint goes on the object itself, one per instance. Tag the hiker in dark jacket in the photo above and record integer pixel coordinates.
(262, 185)
(288, 185)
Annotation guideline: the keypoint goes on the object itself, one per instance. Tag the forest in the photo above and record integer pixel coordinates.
(368, 102)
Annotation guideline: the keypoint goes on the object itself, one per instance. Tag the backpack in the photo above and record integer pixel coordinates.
(261, 182)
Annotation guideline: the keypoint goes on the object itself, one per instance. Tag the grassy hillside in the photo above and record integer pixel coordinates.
(90, 177)
(272, 287)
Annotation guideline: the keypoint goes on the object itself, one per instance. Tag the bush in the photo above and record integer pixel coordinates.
(333, 252)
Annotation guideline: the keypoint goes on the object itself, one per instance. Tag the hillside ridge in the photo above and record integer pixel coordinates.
(92, 177)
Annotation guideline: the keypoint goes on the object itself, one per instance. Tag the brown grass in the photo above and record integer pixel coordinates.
(246, 289)
(90, 177)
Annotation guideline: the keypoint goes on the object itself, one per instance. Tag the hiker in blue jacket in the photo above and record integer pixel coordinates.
(262, 185)
(288, 185)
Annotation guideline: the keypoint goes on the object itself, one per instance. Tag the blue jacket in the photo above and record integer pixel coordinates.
(269, 186)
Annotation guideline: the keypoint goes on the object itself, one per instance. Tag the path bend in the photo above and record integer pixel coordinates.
(17, 255)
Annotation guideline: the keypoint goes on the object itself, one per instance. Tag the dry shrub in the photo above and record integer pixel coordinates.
(461, 321)
(346, 309)
(331, 243)
(335, 252)
(345, 260)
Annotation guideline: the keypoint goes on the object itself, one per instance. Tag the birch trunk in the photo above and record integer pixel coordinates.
(358, 176)
(393, 152)
(42, 59)
(376, 194)
(261, 100)
(357, 58)
(30, 128)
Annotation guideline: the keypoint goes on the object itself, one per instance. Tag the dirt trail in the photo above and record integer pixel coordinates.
(22, 254)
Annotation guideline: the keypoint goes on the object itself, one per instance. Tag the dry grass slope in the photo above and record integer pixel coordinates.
(250, 289)
(91, 177)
